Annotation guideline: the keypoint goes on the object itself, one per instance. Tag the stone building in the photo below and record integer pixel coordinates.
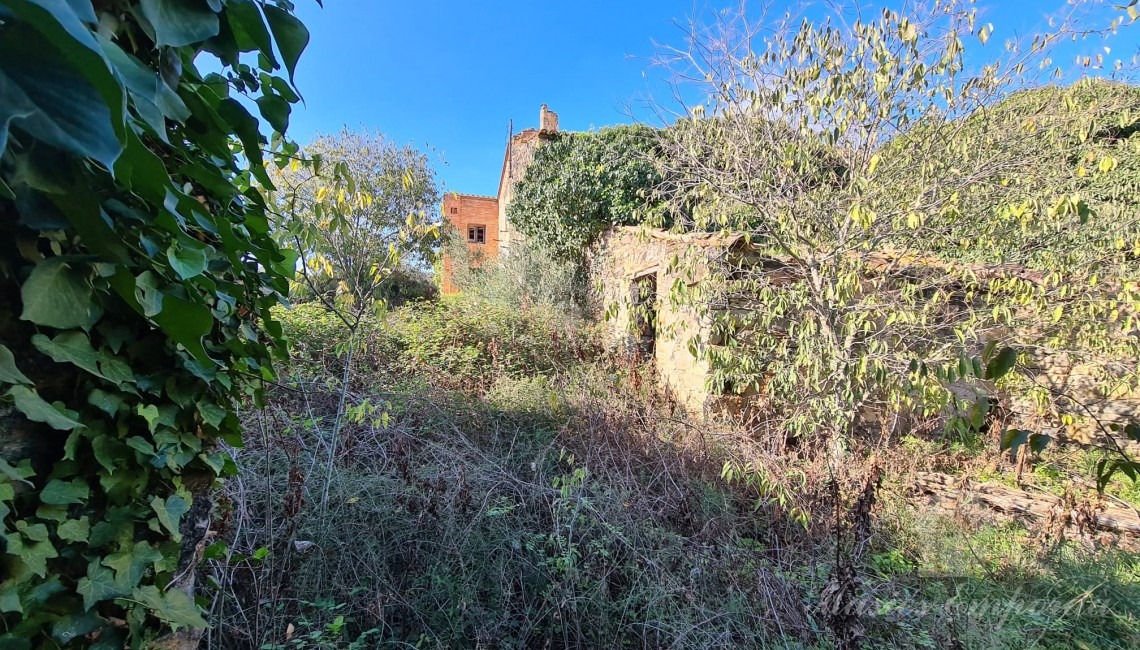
(482, 221)
(637, 273)
(633, 270)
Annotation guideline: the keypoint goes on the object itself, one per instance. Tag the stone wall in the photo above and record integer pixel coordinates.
(1083, 400)
(627, 257)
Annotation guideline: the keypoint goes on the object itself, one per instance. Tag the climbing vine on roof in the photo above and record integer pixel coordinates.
(136, 276)
(582, 183)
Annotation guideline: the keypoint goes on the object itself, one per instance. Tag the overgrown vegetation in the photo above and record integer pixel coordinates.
(136, 276)
(488, 471)
(506, 481)
(531, 276)
(580, 184)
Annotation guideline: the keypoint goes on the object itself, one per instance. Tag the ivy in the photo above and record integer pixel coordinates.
(137, 273)
(580, 184)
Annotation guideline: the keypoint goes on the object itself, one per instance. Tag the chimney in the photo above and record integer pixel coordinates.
(547, 120)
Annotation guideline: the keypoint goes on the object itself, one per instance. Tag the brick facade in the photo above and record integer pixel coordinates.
(463, 213)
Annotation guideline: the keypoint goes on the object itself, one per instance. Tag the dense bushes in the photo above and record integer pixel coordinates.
(530, 277)
(462, 344)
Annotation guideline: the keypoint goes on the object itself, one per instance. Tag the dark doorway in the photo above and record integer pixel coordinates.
(643, 303)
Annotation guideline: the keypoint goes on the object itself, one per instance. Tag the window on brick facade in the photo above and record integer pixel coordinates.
(476, 234)
(455, 211)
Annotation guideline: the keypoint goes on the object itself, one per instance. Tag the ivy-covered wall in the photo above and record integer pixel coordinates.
(137, 270)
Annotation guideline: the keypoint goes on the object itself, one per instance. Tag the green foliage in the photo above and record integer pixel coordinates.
(456, 343)
(531, 276)
(136, 278)
(849, 294)
(361, 209)
(582, 183)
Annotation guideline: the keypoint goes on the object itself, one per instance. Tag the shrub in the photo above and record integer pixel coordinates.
(531, 276)
(580, 184)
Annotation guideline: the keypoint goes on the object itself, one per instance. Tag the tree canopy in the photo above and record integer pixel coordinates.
(365, 208)
(870, 162)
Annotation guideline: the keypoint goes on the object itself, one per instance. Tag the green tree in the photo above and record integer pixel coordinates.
(916, 244)
(580, 184)
(136, 277)
(359, 209)
(367, 207)
(866, 163)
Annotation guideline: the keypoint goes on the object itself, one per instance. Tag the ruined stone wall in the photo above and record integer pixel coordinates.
(624, 255)
(1077, 400)
(622, 258)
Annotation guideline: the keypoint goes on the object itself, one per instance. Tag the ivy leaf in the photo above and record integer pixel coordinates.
(180, 22)
(29, 402)
(107, 450)
(47, 98)
(291, 35)
(186, 323)
(34, 554)
(148, 294)
(212, 413)
(20, 473)
(9, 373)
(70, 347)
(175, 606)
(187, 261)
(170, 513)
(62, 493)
(72, 626)
(115, 369)
(131, 564)
(149, 412)
(74, 530)
(98, 585)
(245, 127)
(109, 403)
(57, 295)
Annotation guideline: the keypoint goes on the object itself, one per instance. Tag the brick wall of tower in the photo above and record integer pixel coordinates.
(463, 211)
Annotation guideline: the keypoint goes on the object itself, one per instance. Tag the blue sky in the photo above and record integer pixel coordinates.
(450, 74)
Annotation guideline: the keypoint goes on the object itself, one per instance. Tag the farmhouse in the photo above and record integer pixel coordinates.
(482, 221)
(636, 272)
